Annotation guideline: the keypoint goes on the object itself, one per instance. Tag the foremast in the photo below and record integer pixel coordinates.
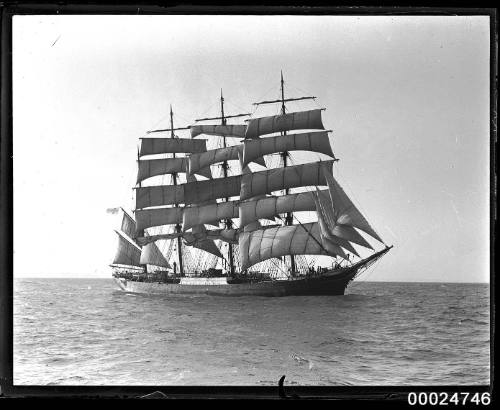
(339, 220)
(285, 155)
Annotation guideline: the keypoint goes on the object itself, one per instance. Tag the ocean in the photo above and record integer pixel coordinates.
(87, 332)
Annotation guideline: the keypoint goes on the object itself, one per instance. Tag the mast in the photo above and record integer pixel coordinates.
(225, 167)
(284, 157)
(178, 228)
(285, 154)
(144, 266)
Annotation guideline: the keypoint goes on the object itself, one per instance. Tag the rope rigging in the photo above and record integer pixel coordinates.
(192, 256)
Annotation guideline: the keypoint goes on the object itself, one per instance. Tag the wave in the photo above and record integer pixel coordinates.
(476, 321)
(358, 339)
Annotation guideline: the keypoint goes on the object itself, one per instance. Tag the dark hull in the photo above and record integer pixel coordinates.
(331, 282)
(328, 283)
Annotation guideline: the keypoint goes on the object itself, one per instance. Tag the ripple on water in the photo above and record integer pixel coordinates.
(379, 334)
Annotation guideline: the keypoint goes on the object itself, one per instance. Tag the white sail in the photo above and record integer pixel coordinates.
(144, 240)
(263, 244)
(350, 234)
(269, 207)
(127, 253)
(147, 218)
(152, 167)
(344, 232)
(336, 232)
(198, 239)
(226, 235)
(159, 195)
(152, 146)
(310, 141)
(345, 212)
(214, 156)
(151, 255)
(201, 191)
(236, 130)
(264, 182)
(332, 247)
(329, 240)
(253, 226)
(209, 214)
(128, 226)
(305, 120)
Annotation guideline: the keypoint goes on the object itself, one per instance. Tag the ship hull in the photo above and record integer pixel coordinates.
(332, 282)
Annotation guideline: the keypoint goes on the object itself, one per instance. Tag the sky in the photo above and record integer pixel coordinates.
(407, 98)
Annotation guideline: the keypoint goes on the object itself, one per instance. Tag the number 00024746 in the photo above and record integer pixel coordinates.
(445, 399)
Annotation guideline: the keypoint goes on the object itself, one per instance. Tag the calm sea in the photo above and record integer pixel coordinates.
(86, 332)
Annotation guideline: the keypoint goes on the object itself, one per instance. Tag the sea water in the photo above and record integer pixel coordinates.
(87, 332)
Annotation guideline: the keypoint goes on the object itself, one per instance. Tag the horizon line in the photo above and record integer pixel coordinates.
(360, 281)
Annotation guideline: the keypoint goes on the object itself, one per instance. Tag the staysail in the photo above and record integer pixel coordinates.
(330, 241)
(346, 232)
(127, 253)
(151, 255)
(198, 239)
(128, 224)
(310, 120)
(345, 212)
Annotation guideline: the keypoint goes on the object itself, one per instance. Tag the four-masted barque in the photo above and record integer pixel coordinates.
(255, 244)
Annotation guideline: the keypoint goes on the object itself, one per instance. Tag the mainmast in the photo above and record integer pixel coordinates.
(285, 154)
(225, 167)
(284, 157)
(178, 228)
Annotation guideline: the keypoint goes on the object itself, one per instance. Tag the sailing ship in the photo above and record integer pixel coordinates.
(255, 244)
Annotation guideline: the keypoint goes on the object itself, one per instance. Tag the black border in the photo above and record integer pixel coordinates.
(391, 395)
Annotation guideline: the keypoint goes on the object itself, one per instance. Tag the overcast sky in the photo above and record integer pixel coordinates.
(407, 99)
